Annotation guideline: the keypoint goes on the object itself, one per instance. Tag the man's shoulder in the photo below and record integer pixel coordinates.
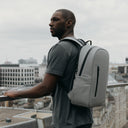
(67, 45)
(59, 48)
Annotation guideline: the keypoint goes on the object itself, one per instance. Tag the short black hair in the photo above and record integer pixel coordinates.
(67, 14)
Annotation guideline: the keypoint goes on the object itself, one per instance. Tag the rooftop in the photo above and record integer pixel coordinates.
(10, 113)
(20, 116)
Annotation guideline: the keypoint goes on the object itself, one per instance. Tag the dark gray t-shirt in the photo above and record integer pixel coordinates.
(62, 61)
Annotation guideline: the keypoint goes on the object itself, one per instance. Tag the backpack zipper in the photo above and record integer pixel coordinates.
(85, 61)
(97, 80)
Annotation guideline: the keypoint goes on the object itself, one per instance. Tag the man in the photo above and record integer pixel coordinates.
(61, 68)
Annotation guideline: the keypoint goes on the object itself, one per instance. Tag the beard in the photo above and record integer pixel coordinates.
(58, 32)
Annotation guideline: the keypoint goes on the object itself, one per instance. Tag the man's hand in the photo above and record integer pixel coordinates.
(11, 93)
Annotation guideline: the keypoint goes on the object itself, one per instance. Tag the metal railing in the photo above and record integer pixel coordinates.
(5, 98)
(117, 85)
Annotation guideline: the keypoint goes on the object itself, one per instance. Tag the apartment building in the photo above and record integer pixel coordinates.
(13, 75)
(118, 68)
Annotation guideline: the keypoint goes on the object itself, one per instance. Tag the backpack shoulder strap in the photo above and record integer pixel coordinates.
(72, 39)
(78, 42)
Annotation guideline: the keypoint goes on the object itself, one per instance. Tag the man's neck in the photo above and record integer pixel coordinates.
(68, 34)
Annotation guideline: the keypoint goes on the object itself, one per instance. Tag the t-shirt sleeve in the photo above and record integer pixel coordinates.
(57, 60)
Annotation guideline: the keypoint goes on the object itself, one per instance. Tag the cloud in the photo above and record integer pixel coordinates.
(24, 26)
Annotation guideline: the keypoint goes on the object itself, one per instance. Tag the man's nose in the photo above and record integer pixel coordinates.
(50, 24)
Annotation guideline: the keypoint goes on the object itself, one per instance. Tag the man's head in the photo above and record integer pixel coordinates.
(62, 23)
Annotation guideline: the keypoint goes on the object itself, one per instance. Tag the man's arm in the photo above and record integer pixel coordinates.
(42, 89)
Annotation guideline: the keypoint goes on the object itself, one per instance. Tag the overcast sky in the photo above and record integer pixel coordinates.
(24, 30)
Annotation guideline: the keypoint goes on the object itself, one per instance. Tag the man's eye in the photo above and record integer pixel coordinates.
(55, 19)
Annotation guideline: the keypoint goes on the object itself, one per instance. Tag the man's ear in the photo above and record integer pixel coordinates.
(69, 23)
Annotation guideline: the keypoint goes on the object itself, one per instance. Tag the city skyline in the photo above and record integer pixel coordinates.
(29, 60)
(25, 32)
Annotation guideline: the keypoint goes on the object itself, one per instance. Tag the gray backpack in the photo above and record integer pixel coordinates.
(89, 87)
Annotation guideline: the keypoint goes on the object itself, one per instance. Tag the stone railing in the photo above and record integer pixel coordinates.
(113, 114)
